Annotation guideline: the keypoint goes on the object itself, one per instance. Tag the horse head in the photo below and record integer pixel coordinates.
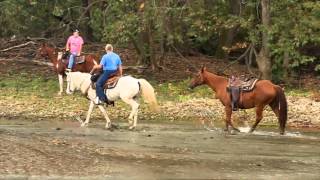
(43, 51)
(63, 55)
(198, 79)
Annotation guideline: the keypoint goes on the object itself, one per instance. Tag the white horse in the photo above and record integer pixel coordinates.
(127, 89)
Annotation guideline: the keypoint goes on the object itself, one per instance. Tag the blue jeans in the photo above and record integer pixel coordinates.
(100, 83)
(72, 57)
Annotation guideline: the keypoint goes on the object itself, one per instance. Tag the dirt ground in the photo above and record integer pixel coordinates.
(62, 150)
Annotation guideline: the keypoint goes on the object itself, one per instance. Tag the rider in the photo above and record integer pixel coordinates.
(74, 45)
(110, 63)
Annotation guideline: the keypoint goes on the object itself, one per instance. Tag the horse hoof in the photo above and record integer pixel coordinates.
(108, 126)
(84, 125)
(233, 132)
(132, 127)
(59, 93)
(236, 129)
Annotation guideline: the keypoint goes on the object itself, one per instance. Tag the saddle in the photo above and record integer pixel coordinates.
(238, 85)
(110, 83)
(78, 59)
(243, 83)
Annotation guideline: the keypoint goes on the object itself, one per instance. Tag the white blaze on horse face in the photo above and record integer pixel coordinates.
(59, 56)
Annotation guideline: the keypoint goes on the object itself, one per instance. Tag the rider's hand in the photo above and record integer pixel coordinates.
(78, 54)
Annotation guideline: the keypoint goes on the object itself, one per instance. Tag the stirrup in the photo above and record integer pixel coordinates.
(68, 70)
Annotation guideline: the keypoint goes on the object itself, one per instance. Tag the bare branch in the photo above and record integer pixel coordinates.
(17, 46)
(184, 58)
(238, 59)
(40, 62)
(87, 9)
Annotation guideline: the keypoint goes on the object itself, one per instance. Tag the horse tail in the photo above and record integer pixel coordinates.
(148, 94)
(283, 109)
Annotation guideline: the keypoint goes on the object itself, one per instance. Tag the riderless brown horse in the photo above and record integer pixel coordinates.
(264, 93)
(60, 66)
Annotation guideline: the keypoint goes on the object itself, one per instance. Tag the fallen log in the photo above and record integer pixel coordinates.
(17, 46)
(134, 67)
(31, 61)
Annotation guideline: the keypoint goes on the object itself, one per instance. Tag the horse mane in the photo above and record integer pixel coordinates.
(218, 74)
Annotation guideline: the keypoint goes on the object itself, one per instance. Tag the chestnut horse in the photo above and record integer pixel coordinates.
(264, 93)
(60, 66)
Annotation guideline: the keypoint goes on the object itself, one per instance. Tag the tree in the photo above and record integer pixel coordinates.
(264, 58)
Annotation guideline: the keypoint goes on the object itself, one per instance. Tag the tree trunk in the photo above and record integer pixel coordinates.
(285, 66)
(87, 29)
(142, 36)
(163, 32)
(226, 38)
(151, 53)
(263, 59)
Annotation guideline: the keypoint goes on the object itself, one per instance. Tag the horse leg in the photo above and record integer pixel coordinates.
(91, 106)
(104, 112)
(134, 112)
(68, 91)
(228, 111)
(135, 116)
(228, 118)
(259, 110)
(60, 77)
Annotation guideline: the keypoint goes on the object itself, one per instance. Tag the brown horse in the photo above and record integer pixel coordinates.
(60, 66)
(264, 93)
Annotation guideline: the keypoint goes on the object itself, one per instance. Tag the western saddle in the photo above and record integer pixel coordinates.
(238, 85)
(110, 83)
(78, 59)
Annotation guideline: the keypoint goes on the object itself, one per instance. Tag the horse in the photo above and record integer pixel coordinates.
(60, 66)
(264, 93)
(127, 89)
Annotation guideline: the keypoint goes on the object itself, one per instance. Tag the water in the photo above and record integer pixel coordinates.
(155, 151)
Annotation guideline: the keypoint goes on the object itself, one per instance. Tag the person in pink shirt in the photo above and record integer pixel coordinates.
(74, 45)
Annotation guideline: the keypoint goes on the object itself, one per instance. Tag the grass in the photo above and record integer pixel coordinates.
(301, 92)
(178, 91)
(22, 85)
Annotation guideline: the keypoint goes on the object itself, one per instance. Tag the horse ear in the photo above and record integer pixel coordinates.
(203, 68)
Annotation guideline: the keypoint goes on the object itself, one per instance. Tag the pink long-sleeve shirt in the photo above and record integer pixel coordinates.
(75, 43)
